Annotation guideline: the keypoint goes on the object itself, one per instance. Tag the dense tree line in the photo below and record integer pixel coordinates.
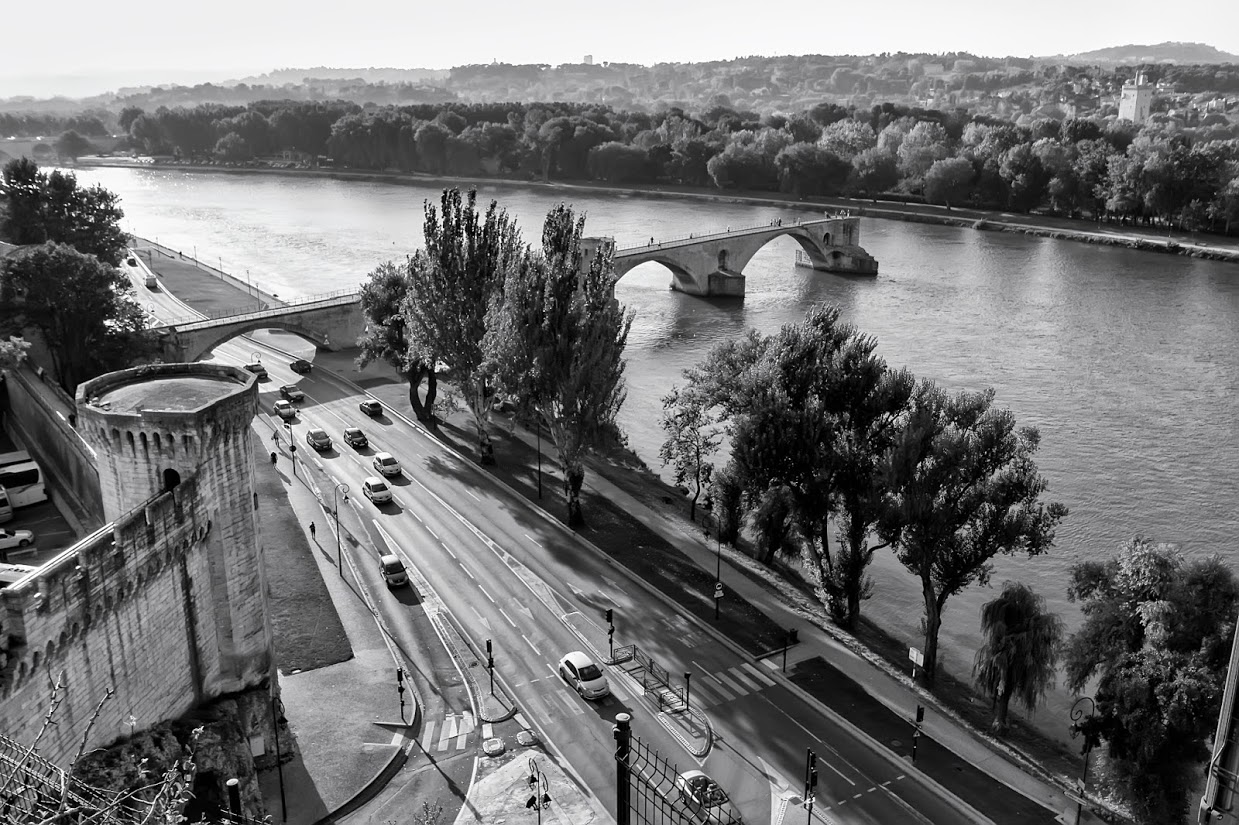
(1109, 170)
(92, 123)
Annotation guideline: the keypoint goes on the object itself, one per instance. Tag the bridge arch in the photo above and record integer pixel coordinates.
(201, 346)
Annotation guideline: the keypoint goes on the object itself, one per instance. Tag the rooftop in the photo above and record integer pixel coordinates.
(166, 394)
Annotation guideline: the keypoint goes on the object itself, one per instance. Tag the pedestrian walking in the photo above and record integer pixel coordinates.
(312, 530)
(273, 457)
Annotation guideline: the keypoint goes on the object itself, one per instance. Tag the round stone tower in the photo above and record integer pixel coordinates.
(156, 426)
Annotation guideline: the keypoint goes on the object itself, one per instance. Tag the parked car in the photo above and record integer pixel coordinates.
(291, 392)
(318, 439)
(301, 366)
(355, 438)
(284, 410)
(706, 799)
(258, 369)
(376, 490)
(393, 570)
(387, 464)
(371, 408)
(10, 539)
(585, 677)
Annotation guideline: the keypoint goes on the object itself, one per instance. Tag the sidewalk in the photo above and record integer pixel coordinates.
(815, 643)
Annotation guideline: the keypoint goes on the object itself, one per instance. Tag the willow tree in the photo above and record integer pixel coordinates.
(1018, 656)
(450, 286)
(383, 299)
(962, 488)
(555, 340)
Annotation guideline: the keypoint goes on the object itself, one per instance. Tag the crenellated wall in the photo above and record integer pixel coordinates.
(121, 609)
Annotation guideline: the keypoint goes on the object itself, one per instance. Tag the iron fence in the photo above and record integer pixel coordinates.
(652, 790)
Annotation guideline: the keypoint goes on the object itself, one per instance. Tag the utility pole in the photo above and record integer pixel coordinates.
(810, 782)
(623, 777)
(490, 665)
(916, 732)
(611, 631)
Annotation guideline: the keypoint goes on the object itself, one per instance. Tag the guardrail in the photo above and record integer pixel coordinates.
(259, 310)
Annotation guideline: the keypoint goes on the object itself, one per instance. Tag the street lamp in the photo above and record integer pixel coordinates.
(292, 446)
(538, 785)
(1084, 723)
(340, 488)
(277, 718)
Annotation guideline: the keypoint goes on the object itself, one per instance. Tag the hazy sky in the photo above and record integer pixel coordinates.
(154, 40)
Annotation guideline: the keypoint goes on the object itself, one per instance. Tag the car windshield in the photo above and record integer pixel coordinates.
(317, 435)
(708, 791)
(589, 672)
(393, 566)
(389, 460)
(377, 486)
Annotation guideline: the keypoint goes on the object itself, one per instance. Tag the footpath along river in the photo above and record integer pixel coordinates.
(1127, 362)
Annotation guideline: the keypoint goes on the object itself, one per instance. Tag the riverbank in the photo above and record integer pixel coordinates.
(1047, 226)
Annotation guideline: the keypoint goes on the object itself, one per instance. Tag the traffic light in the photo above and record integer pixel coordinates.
(920, 714)
(400, 675)
(810, 777)
(488, 647)
(610, 614)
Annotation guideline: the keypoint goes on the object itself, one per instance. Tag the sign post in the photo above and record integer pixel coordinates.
(918, 659)
(718, 596)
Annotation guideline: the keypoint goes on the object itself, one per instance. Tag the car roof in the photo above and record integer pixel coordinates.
(381, 456)
(375, 481)
(578, 659)
(317, 431)
(352, 429)
(289, 387)
(388, 558)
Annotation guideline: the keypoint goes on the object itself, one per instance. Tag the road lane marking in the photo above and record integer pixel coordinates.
(531, 538)
(470, 575)
(448, 732)
(506, 616)
(470, 492)
(431, 531)
(722, 677)
(484, 593)
(428, 735)
(531, 644)
(449, 551)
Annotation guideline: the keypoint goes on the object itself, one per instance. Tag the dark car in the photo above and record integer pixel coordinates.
(258, 369)
(354, 437)
(318, 439)
(291, 392)
(301, 366)
(371, 408)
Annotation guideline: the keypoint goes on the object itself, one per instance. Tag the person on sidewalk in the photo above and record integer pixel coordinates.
(312, 530)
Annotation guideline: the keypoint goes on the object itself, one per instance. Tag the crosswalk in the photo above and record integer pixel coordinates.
(451, 733)
(711, 688)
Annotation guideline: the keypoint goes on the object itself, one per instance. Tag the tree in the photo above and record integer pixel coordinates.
(962, 488)
(53, 207)
(72, 145)
(556, 340)
(874, 171)
(13, 352)
(233, 148)
(1156, 640)
(84, 308)
(949, 180)
(692, 437)
(383, 298)
(1018, 656)
(451, 284)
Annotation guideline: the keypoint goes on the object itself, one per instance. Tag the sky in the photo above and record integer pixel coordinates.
(97, 47)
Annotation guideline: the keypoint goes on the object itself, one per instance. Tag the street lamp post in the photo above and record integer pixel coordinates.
(277, 716)
(538, 785)
(1082, 723)
(292, 447)
(340, 488)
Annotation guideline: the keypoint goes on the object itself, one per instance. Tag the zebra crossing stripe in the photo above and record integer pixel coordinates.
(488, 730)
(727, 694)
(702, 692)
(722, 678)
(743, 678)
(466, 726)
(449, 731)
(757, 674)
(428, 735)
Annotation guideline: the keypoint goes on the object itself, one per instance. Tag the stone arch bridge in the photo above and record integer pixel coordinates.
(708, 265)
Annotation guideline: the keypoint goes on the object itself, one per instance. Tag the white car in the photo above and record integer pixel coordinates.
(16, 538)
(393, 570)
(284, 410)
(585, 677)
(376, 490)
(703, 796)
(387, 464)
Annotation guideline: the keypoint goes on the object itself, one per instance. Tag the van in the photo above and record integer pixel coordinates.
(6, 507)
(151, 282)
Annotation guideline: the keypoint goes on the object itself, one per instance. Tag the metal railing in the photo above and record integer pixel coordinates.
(262, 310)
(694, 237)
(653, 796)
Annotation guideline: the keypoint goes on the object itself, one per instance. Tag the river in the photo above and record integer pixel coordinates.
(1127, 362)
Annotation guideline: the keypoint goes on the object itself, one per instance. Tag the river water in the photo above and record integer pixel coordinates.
(1127, 362)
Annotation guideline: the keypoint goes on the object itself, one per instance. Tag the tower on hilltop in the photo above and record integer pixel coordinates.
(153, 426)
(1136, 100)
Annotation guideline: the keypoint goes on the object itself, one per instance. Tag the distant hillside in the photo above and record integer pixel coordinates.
(1182, 53)
(279, 77)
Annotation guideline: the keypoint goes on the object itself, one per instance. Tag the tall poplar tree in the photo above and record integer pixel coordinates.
(555, 339)
(962, 488)
(386, 337)
(451, 285)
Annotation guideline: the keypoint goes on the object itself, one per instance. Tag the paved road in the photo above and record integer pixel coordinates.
(508, 574)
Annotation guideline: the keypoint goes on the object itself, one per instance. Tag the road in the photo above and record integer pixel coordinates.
(509, 574)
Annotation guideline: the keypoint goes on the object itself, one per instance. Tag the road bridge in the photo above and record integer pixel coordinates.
(708, 265)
